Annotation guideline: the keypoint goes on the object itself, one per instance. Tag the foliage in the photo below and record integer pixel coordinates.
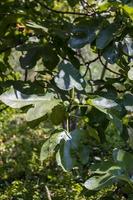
(22, 176)
(45, 42)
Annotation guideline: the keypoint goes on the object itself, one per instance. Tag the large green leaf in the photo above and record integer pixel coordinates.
(41, 108)
(69, 77)
(57, 114)
(84, 33)
(98, 182)
(41, 104)
(110, 108)
(130, 74)
(111, 54)
(128, 102)
(74, 151)
(105, 36)
(50, 56)
(33, 52)
(107, 175)
(36, 26)
(29, 59)
(109, 172)
(48, 148)
(124, 158)
(116, 121)
(93, 134)
(114, 174)
(128, 8)
(103, 5)
(103, 104)
(130, 134)
(102, 167)
(128, 45)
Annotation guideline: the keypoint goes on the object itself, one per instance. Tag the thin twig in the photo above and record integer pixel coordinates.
(104, 71)
(91, 61)
(104, 65)
(88, 67)
(25, 75)
(48, 193)
(87, 64)
(64, 12)
(86, 6)
(6, 13)
(83, 4)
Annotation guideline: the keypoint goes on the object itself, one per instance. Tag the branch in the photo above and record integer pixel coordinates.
(83, 3)
(86, 6)
(25, 75)
(91, 61)
(65, 12)
(48, 193)
(6, 13)
(87, 64)
(105, 65)
(104, 70)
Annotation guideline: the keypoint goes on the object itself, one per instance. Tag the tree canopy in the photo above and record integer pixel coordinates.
(71, 63)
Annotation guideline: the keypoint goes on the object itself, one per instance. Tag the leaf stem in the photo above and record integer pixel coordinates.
(67, 125)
